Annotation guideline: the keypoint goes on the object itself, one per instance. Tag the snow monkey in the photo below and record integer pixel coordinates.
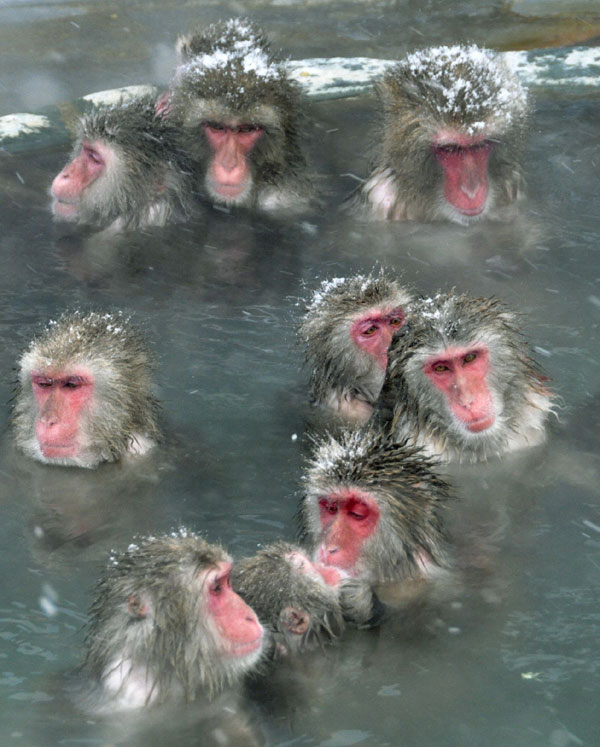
(461, 381)
(84, 392)
(126, 170)
(372, 508)
(347, 328)
(165, 624)
(302, 602)
(454, 126)
(239, 112)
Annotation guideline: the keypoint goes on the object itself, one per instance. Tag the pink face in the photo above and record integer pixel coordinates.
(373, 332)
(348, 519)
(237, 624)
(68, 187)
(229, 173)
(460, 373)
(61, 397)
(464, 160)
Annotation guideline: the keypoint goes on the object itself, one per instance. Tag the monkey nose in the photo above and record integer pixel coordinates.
(470, 189)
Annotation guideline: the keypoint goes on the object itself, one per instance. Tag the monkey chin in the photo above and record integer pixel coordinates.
(63, 210)
(230, 195)
(462, 218)
(244, 657)
(70, 456)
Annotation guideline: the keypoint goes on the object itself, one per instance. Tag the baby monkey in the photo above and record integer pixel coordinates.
(303, 603)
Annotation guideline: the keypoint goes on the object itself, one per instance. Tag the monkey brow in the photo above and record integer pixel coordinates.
(206, 568)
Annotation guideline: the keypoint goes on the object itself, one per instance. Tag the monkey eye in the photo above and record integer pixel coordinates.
(330, 507)
(396, 321)
(42, 382)
(357, 515)
(369, 331)
(469, 357)
(357, 510)
(448, 148)
(219, 585)
(93, 155)
(72, 383)
(440, 368)
(248, 128)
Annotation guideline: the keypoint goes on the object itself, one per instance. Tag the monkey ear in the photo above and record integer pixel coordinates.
(295, 620)
(182, 49)
(137, 607)
(384, 91)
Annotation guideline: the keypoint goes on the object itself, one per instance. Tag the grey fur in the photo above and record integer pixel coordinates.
(338, 366)
(154, 182)
(458, 88)
(171, 641)
(271, 584)
(118, 358)
(242, 91)
(410, 405)
(408, 493)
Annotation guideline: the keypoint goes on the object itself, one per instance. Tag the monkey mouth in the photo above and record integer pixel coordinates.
(481, 424)
(65, 208)
(245, 647)
(471, 212)
(229, 191)
(329, 575)
(60, 451)
(333, 561)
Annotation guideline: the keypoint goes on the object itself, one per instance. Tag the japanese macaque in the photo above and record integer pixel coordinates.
(302, 602)
(461, 382)
(372, 508)
(84, 392)
(239, 112)
(454, 125)
(126, 171)
(165, 624)
(298, 600)
(347, 329)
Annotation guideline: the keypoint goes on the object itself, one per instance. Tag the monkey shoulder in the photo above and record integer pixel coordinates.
(140, 445)
(282, 198)
(348, 406)
(379, 197)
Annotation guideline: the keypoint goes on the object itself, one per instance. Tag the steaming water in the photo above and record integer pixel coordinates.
(508, 659)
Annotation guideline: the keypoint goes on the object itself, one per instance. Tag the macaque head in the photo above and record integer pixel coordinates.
(371, 507)
(347, 330)
(84, 392)
(466, 376)
(238, 111)
(166, 623)
(125, 169)
(297, 599)
(454, 124)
